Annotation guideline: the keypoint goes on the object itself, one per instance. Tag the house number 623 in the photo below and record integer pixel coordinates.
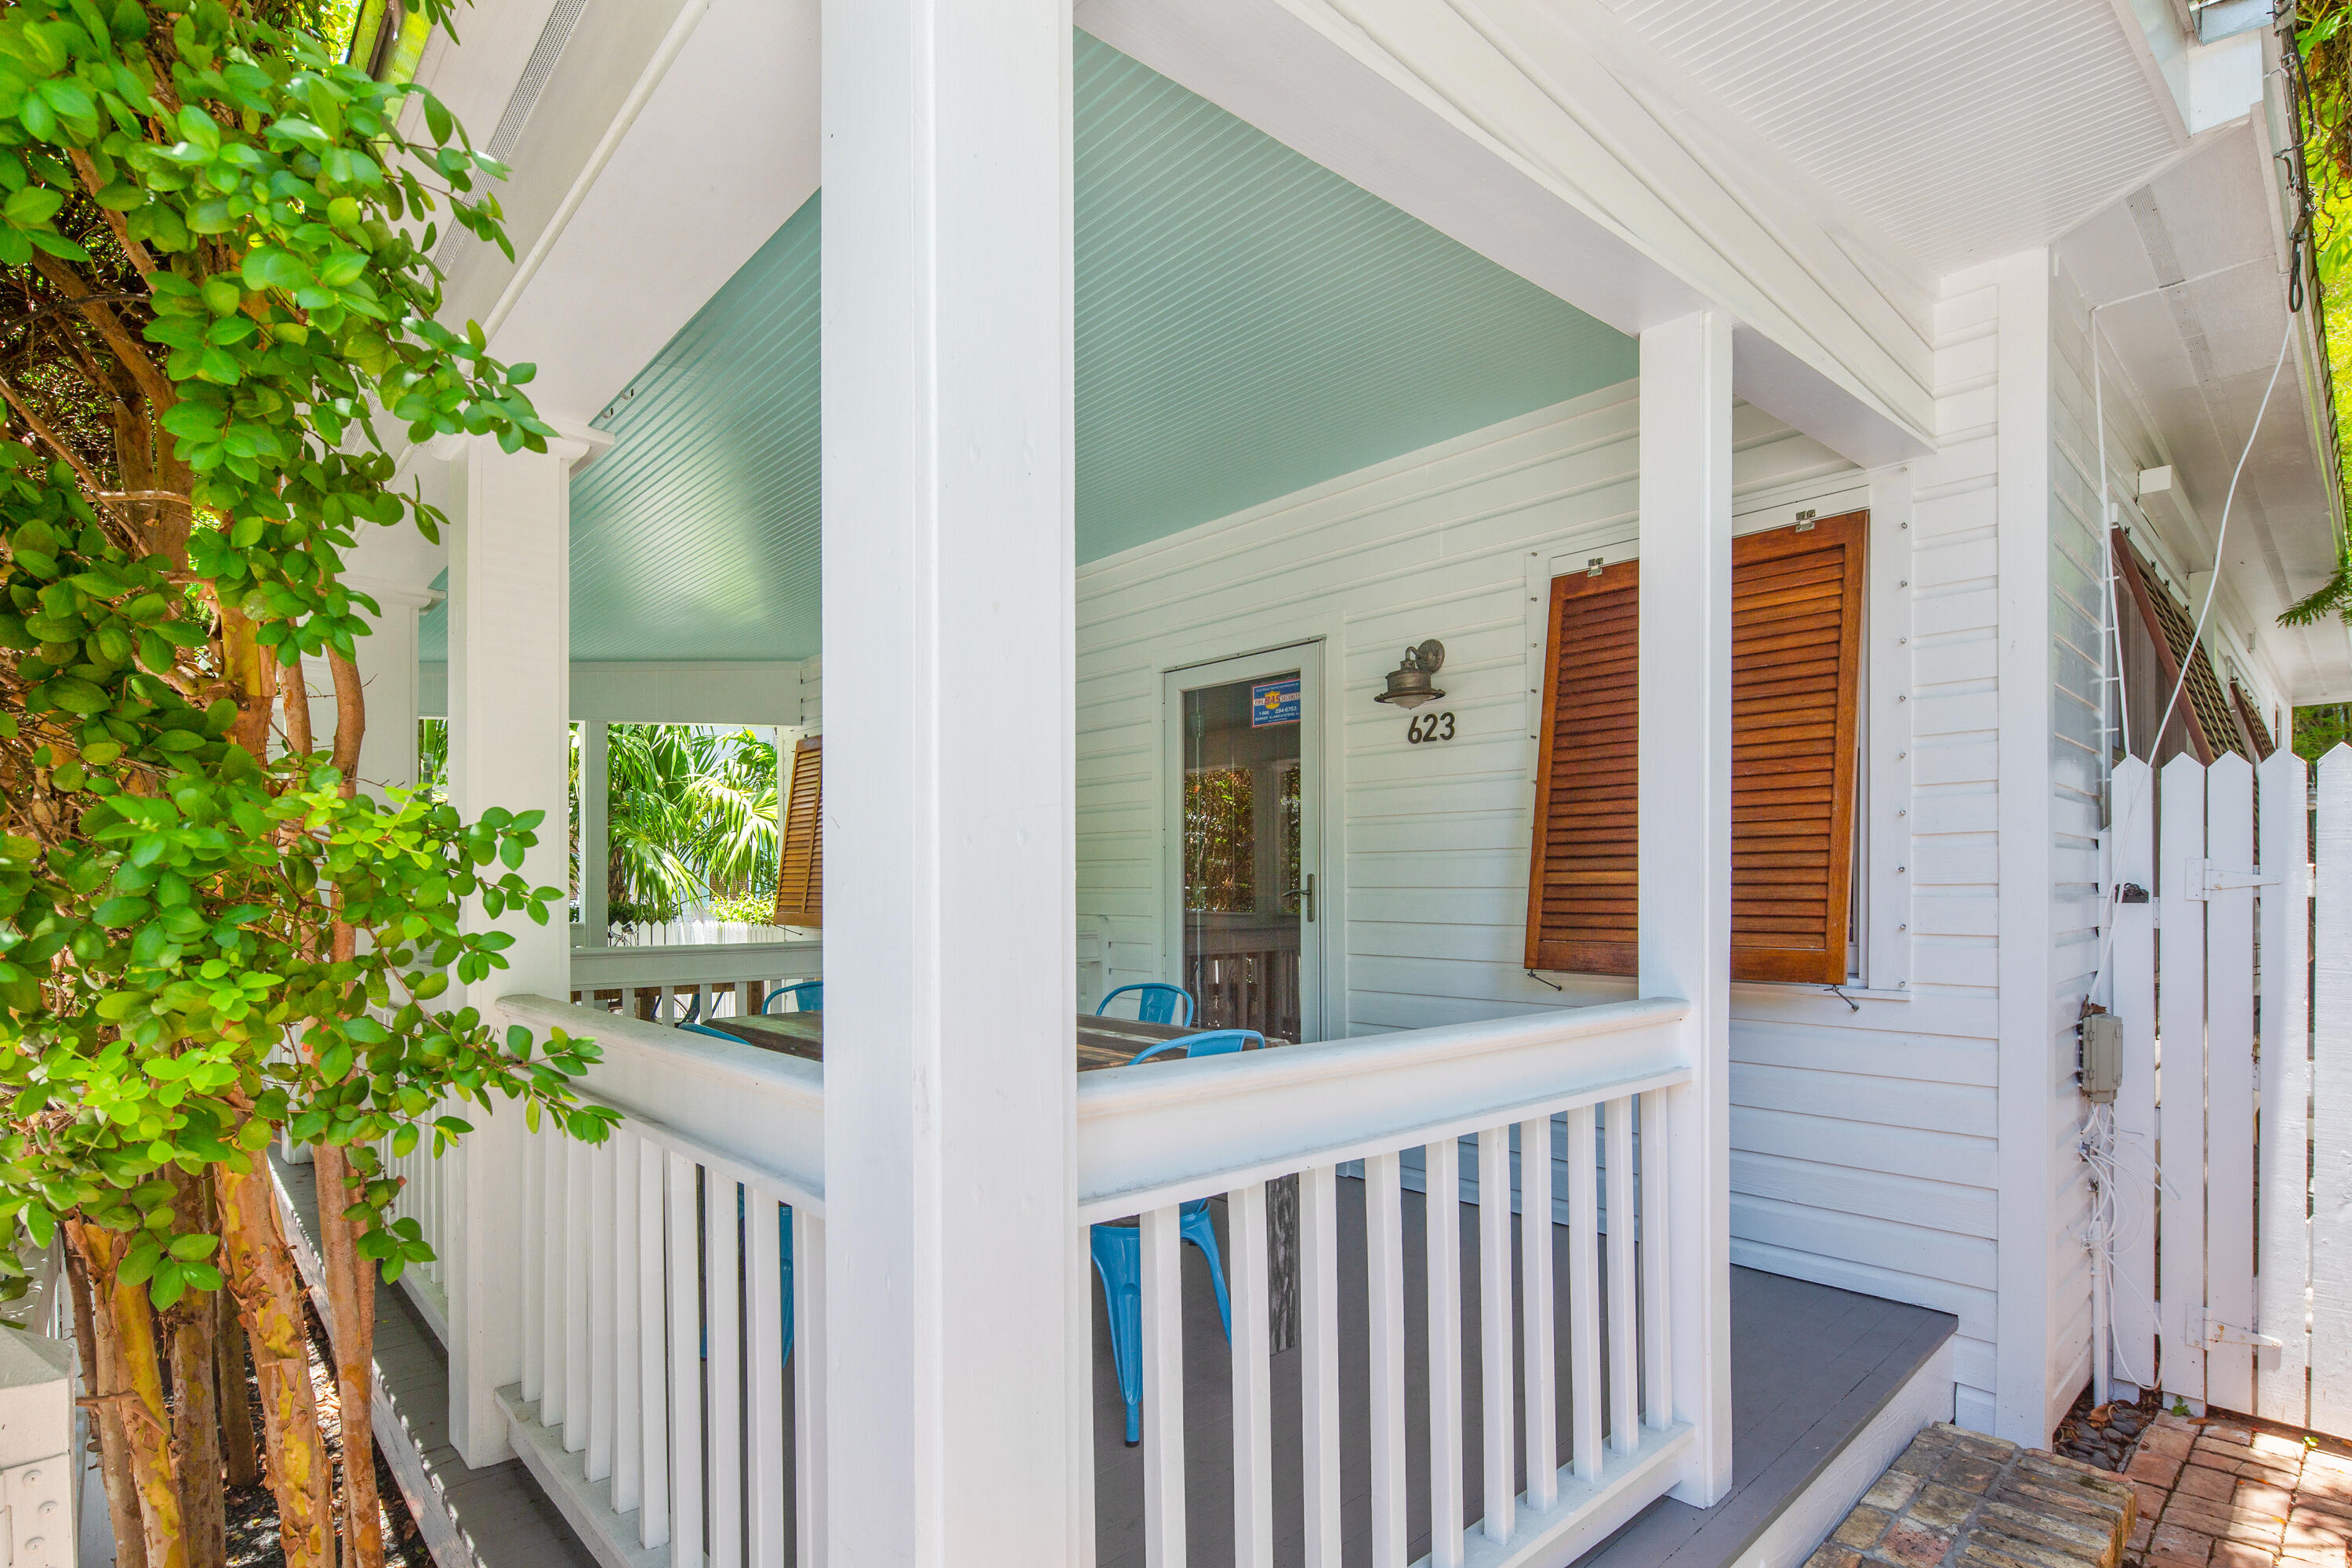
(1430, 727)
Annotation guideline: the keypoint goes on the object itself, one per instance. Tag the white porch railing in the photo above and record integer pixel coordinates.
(424, 1197)
(665, 984)
(1151, 1139)
(673, 1295)
(663, 1298)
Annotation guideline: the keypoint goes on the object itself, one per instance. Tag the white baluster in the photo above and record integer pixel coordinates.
(1657, 1373)
(629, 1265)
(1252, 1349)
(763, 1301)
(1318, 1348)
(1495, 1363)
(1384, 1275)
(534, 1272)
(685, 1330)
(576, 1200)
(605, 1289)
(1536, 1310)
(1441, 1210)
(1583, 1299)
(1163, 1391)
(808, 1387)
(655, 1288)
(1624, 1345)
(547, 1152)
(722, 1206)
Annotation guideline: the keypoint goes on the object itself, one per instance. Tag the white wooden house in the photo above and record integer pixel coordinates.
(1173, 351)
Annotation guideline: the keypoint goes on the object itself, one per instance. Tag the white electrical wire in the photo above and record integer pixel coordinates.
(2099, 1136)
(2213, 582)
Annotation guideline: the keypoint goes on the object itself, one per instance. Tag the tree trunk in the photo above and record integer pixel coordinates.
(238, 1452)
(350, 1279)
(260, 1271)
(125, 1317)
(352, 1296)
(101, 1377)
(196, 1423)
(195, 1433)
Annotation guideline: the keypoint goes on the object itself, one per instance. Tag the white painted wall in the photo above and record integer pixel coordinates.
(1863, 1141)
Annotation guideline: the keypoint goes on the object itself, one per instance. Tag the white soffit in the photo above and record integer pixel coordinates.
(1962, 133)
(721, 154)
(2190, 263)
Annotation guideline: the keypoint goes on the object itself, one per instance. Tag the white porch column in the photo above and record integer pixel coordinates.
(958, 1431)
(1685, 943)
(595, 834)
(387, 665)
(509, 687)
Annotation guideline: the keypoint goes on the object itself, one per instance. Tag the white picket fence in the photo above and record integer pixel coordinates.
(2233, 1125)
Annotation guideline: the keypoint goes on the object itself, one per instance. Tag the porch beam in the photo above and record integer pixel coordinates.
(1684, 845)
(510, 657)
(959, 1424)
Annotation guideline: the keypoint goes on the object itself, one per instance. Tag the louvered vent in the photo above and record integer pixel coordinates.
(457, 245)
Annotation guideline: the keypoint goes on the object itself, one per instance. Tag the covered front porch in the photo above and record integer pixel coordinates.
(849, 1311)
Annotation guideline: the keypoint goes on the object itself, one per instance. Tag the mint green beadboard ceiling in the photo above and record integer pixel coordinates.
(1248, 324)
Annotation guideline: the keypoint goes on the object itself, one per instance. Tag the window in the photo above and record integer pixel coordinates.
(1796, 658)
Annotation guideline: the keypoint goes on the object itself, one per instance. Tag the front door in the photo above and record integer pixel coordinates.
(1244, 841)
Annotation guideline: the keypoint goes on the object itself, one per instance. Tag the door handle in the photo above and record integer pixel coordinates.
(1306, 894)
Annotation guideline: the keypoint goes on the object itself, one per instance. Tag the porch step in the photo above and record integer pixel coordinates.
(494, 1517)
(1827, 1388)
(1960, 1499)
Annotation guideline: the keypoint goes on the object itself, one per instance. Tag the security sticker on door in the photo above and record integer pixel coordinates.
(1273, 702)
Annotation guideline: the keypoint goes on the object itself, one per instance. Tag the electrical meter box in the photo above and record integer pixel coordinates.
(2103, 1057)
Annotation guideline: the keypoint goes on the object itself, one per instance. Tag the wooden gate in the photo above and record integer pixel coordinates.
(2232, 1124)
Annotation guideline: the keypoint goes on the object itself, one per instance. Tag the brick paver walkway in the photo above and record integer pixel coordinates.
(2236, 1497)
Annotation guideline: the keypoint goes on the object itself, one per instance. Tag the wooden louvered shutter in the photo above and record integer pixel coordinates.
(1796, 663)
(1796, 667)
(2251, 717)
(800, 879)
(2211, 724)
(1581, 885)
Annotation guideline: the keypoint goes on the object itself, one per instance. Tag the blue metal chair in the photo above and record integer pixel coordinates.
(1118, 1248)
(1157, 1005)
(694, 1029)
(808, 997)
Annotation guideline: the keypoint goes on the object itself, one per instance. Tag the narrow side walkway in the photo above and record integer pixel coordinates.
(2217, 1492)
(494, 1517)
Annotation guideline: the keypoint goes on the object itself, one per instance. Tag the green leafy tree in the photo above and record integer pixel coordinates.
(692, 817)
(216, 239)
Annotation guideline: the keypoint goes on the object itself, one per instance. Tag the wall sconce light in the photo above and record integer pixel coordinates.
(1409, 684)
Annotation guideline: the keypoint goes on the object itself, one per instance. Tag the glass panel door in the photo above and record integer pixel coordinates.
(1245, 858)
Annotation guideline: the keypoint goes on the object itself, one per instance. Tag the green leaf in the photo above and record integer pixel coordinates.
(33, 207)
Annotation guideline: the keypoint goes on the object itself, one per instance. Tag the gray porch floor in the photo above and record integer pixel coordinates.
(1811, 1366)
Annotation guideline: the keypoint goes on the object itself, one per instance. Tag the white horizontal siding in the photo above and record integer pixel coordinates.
(1863, 1149)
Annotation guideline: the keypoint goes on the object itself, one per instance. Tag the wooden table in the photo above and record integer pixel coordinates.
(1096, 1043)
